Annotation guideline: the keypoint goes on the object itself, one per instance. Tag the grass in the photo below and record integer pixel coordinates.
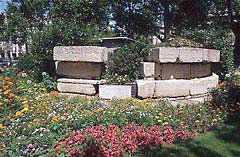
(220, 143)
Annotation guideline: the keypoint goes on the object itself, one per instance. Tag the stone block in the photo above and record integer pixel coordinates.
(163, 55)
(190, 55)
(210, 55)
(145, 88)
(171, 88)
(81, 81)
(200, 70)
(115, 91)
(147, 69)
(150, 70)
(80, 53)
(86, 89)
(86, 70)
(177, 71)
(203, 85)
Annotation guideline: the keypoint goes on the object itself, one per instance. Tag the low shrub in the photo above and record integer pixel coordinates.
(123, 63)
(33, 64)
(226, 97)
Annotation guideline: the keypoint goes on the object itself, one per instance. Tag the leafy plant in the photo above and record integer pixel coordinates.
(33, 64)
(177, 41)
(123, 63)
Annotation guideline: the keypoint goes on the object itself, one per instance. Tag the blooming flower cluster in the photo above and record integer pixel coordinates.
(113, 141)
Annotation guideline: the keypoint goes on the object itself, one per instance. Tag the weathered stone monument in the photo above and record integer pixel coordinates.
(177, 72)
(167, 72)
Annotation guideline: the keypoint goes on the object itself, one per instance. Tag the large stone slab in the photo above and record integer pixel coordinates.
(163, 55)
(203, 85)
(80, 86)
(182, 55)
(200, 70)
(177, 71)
(210, 55)
(87, 89)
(150, 70)
(87, 70)
(81, 81)
(145, 88)
(115, 91)
(190, 55)
(80, 53)
(171, 88)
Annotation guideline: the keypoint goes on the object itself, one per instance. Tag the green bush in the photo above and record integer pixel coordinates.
(180, 42)
(33, 64)
(215, 38)
(123, 63)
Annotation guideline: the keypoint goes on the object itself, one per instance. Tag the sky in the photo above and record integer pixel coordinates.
(3, 4)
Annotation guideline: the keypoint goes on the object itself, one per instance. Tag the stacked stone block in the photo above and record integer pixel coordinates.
(80, 68)
(177, 72)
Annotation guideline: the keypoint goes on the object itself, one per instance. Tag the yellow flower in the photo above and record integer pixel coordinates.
(159, 121)
(2, 126)
(1, 103)
(25, 109)
(18, 114)
(24, 102)
(214, 120)
(165, 123)
(160, 114)
(6, 100)
(197, 121)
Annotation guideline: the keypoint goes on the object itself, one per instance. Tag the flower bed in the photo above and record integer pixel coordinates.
(35, 122)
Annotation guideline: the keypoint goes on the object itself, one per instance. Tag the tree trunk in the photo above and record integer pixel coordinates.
(166, 15)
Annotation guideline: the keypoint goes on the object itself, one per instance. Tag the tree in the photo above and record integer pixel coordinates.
(136, 17)
(65, 22)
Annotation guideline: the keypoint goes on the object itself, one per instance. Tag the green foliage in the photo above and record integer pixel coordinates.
(226, 97)
(180, 42)
(135, 17)
(123, 63)
(33, 64)
(48, 82)
(215, 38)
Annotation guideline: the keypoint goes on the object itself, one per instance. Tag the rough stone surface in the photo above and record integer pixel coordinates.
(177, 71)
(190, 55)
(200, 70)
(171, 88)
(203, 85)
(145, 88)
(81, 81)
(210, 55)
(150, 69)
(182, 55)
(88, 89)
(115, 91)
(80, 53)
(147, 69)
(163, 55)
(87, 70)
